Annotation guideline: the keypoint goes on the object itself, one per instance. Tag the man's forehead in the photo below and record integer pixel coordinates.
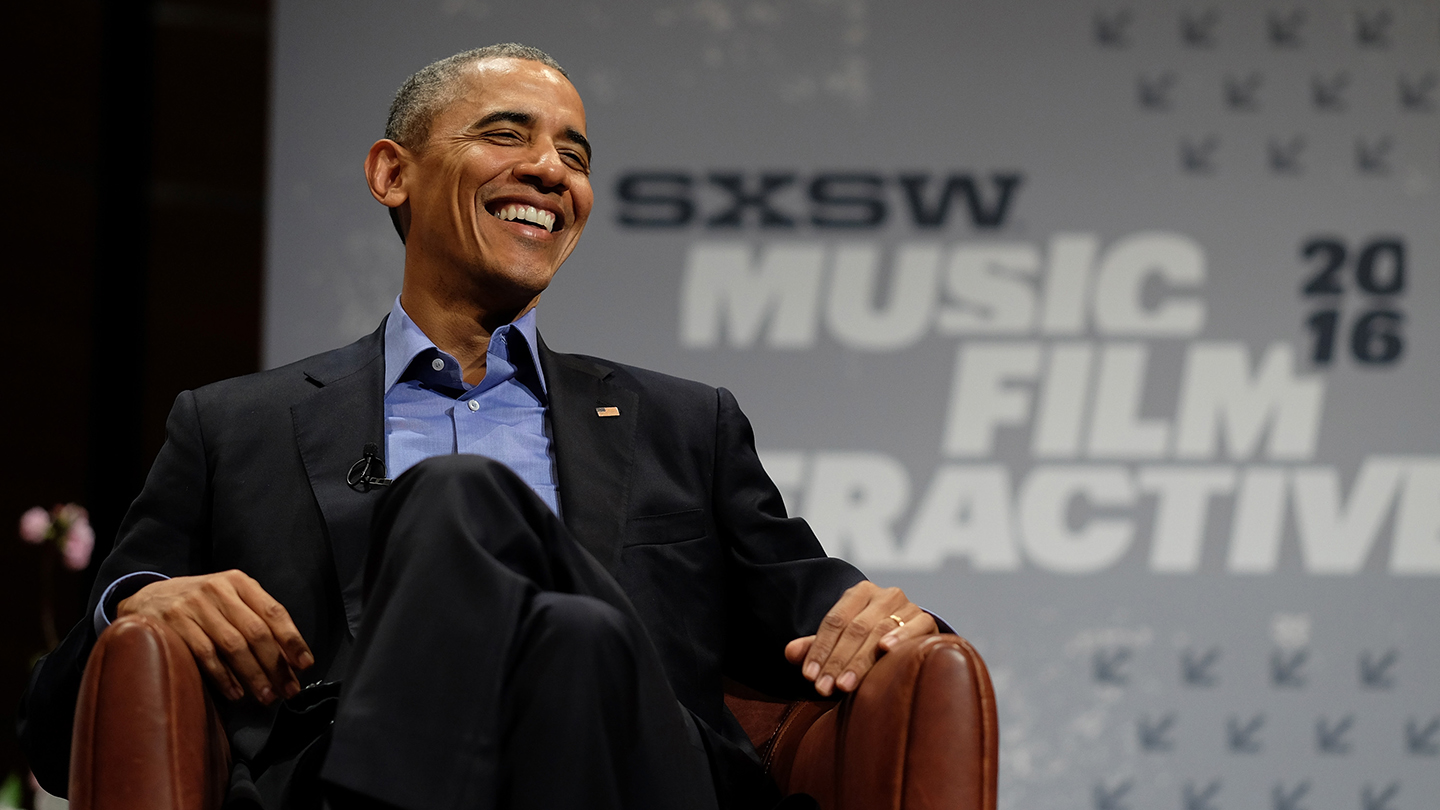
(517, 85)
(505, 75)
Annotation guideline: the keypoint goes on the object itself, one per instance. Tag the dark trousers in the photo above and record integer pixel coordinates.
(498, 665)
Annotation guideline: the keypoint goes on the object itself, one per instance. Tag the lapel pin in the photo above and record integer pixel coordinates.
(609, 411)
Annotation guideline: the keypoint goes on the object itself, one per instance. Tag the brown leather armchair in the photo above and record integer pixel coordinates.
(920, 732)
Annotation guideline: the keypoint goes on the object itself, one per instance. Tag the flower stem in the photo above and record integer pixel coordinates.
(47, 598)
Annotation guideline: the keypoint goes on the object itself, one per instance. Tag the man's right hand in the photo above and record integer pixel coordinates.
(237, 632)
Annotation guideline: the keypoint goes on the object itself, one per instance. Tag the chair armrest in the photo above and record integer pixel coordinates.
(919, 733)
(147, 735)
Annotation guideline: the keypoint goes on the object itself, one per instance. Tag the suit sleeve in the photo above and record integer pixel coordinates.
(165, 531)
(780, 583)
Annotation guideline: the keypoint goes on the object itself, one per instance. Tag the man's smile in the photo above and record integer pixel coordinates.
(525, 214)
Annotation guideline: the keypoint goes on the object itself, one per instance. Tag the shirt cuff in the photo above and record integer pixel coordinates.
(132, 583)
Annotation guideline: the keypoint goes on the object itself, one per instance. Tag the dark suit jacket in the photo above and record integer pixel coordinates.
(669, 496)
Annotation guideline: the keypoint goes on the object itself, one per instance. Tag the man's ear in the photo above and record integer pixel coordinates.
(385, 166)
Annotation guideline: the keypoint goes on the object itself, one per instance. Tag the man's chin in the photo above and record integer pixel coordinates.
(514, 291)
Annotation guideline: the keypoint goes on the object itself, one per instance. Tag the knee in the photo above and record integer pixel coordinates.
(464, 486)
(591, 631)
(446, 505)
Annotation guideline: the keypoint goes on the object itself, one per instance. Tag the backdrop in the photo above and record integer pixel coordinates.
(1108, 331)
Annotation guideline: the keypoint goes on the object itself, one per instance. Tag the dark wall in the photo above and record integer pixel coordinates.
(133, 230)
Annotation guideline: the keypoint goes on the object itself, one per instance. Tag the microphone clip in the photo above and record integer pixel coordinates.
(369, 472)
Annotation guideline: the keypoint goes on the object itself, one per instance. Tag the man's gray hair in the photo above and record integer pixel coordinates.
(432, 87)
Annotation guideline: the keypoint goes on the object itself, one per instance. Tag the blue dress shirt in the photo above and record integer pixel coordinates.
(431, 411)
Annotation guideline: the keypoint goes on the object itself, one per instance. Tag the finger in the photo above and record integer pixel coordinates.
(263, 648)
(795, 651)
(282, 627)
(208, 659)
(235, 650)
(831, 629)
(858, 645)
(921, 624)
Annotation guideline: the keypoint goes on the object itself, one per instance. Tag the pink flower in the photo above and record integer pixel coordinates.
(34, 524)
(79, 542)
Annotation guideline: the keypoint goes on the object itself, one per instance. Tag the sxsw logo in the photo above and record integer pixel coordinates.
(853, 200)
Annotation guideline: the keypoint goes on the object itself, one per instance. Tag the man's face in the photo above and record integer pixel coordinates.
(501, 191)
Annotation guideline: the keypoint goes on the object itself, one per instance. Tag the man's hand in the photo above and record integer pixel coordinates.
(237, 632)
(855, 633)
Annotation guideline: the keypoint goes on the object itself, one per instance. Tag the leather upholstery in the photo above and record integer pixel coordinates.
(920, 733)
(146, 731)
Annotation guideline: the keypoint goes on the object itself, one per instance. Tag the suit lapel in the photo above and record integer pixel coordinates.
(594, 455)
(332, 428)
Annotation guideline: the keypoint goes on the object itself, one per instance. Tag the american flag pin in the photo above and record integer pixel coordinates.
(607, 411)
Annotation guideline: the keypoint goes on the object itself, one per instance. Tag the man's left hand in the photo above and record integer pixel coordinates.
(855, 633)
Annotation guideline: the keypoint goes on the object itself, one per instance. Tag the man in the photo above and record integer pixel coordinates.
(565, 607)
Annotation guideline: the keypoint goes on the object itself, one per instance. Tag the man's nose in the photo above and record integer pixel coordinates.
(543, 167)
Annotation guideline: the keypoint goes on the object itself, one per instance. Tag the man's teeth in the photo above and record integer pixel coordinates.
(527, 213)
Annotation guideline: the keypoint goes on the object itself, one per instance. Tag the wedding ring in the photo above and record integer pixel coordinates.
(898, 620)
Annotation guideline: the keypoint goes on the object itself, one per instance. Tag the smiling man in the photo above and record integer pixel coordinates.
(511, 577)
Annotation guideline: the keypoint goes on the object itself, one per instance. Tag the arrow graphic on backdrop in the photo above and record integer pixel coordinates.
(1112, 798)
(1243, 94)
(1153, 92)
(1370, 800)
(1287, 669)
(1113, 30)
(1198, 30)
(1283, 30)
(1330, 739)
(1198, 157)
(1200, 670)
(1415, 93)
(1203, 798)
(1107, 665)
(1378, 673)
(1328, 92)
(1373, 157)
(1422, 741)
(1242, 737)
(1289, 799)
(1285, 155)
(1156, 736)
(1372, 30)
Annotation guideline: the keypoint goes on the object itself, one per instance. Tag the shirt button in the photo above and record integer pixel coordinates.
(437, 364)
(474, 405)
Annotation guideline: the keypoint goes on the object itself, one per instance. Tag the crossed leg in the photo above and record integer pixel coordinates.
(499, 665)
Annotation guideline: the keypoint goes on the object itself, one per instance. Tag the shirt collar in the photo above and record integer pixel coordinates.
(404, 341)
